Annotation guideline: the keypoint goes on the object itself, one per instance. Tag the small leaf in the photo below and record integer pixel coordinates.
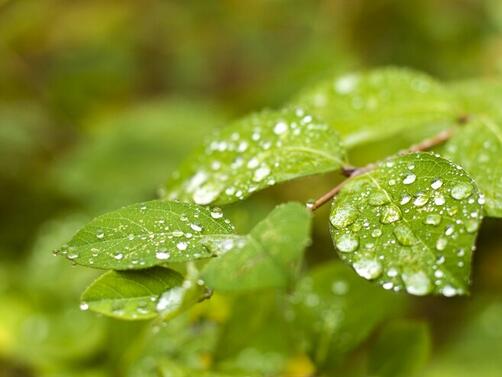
(257, 152)
(132, 294)
(266, 257)
(477, 146)
(146, 234)
(334, 311)
(401, 350)
(410, 223)
(374, 105)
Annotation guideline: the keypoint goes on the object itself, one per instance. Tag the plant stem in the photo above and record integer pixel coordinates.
(352, 172)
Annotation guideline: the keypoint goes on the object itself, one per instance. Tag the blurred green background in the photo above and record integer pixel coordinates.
(99, 102)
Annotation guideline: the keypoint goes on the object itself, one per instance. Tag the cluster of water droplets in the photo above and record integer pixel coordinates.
(410, 225)
(257, 152)
(146, 235)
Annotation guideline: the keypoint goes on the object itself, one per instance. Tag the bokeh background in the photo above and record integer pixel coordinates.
(101, 99)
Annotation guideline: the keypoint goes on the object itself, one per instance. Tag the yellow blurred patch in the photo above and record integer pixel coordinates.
(299, 366)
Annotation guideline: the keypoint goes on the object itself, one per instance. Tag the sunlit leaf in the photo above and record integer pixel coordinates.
(376, 104)
(401, 350)
(266, 257)
(410, 224)
(146, 234)
(254, 153)
(335, 310)
(133, 294)
(477, 146)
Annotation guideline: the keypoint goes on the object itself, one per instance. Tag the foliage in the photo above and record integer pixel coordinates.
(105, 104)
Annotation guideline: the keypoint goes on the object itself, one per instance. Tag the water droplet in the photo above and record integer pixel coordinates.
(404, 235)
(409, 179)
(253, 163)
(448, 291)
(162, 255)
(261, 173)
(84, 306)
(439, 200)
(118, 255)
(441, 243)
(405, 200)
(347, 243)
(436, 184)
(421, 200)
(368, 268)
(100, 234)
(432, 219)
(461, 191)
(216, 213)
(417, 283)
(378, 198)
(376, 233)
(346, 84)
(206, 194)
(471, 225)
(280, 128)
(196, 227)
(390, 214)
(343, 217)
(170, 300)
(181, 245)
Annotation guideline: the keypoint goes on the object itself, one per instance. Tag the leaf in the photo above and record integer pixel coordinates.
(334, 311)
(477, 146)
(264, 258)
(132, 294)
(254, 153)
(401, 350)
(409, 223)
(377, 104)
(146, 234)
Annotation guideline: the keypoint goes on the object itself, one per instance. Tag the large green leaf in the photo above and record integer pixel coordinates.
(376, 104)
(410, 223)
(335, 310)
(133, 294)
(477, 147)
(401, 350)
(254, 153)
(266, 257)
(146, 234)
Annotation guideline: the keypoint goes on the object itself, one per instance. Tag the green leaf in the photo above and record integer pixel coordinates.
(266, 257)
(377, 104)
(146, 234)
(477, 146)
(132, 294)
(409, 223)
(335, 310)
(254, 153)
(401, 350)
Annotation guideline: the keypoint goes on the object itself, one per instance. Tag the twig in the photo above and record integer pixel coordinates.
(352, 172)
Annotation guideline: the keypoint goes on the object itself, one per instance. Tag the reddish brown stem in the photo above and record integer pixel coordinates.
(352, 172)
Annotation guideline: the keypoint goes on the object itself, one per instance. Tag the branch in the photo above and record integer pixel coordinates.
(352, 172)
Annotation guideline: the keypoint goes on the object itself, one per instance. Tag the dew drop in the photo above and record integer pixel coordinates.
(206, 194)
(376, 233)
(162, 255)
(181, 245)
(118, 256)
(436, 184)
(461, 191)
(261, 173)
(378, 198)
(347, 243)
(343, 217)
(409, 179)
(368, 268)
(404, 235)
(471, 225)
(216, 213)
(432, 219)
(84, 306)
(100, 234)
(420, 200)
(441, 243)
(448, 291)
(280, 128)
(417, 283)
(390, 214)
(170, 300)
(196, 227)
